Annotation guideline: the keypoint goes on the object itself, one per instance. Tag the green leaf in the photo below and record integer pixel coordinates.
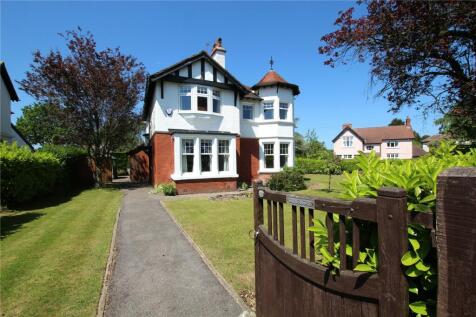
(415, 244)
(413, 272)
(410, 258)
(422, 267)
(419, 308)
(412, 288)
(364, 268)
(325, 253)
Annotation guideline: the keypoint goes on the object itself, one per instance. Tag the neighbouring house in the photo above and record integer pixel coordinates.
(9, 132)
(207, 131)
(433, 141)
(390, 142)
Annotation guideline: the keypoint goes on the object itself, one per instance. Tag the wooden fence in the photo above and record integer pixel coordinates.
(289, 282)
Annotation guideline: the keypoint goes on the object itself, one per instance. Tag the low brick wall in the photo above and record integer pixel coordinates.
(206, 185)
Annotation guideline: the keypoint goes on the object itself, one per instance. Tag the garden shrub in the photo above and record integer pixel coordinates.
(168, 189)
(25, 174)
(320, 166)
(419, 179)
(290, 179)
(348, 165)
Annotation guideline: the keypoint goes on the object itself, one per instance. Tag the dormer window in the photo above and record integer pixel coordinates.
(283, 111)
(268, 110)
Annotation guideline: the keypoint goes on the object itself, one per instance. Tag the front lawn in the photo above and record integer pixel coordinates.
(318, 185)
(221, 228)
(53, 258)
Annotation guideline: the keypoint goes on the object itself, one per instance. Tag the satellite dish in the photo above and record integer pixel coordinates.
(169, 111)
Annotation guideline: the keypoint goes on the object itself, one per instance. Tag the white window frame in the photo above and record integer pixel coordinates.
(187, 153)
(348, 140)
(348, 156)
(269, 145)
(392, 156)
(269, 105)
(185, 91)
(178, 173)
(281, 154)
(250, 108)
(222, 153)
(208, 153)
(369, 147)
(201, 94)
(392, 144)
(284, 106)
(216, 95)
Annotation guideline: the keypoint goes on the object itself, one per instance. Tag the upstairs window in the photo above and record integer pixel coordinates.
(369, 147)
(268, 111)
(216, 101)
(268, 155)
(202, 98)
(392, 144)
(223, 155)
(187, 155)
(283, 111)
(248, 112)
(206, 155)
(283, 154)
(348, 141)
(185, 98)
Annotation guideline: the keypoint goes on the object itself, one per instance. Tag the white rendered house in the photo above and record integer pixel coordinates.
(207, 131)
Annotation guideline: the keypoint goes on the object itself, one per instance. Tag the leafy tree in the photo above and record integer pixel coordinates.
(96, 89)
(313, 148)
(299, 144)
(396, 121)
(41, 123)
(423, 52)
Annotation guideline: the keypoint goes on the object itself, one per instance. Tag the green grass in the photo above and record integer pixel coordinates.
(222, 229)
(53, 258)
(318, 185)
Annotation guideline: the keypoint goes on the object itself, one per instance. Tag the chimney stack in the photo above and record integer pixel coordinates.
(347, 125)
(408, 122)
(219, 52)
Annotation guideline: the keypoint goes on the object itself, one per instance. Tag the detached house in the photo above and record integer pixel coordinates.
(390, 142)
(207, 131)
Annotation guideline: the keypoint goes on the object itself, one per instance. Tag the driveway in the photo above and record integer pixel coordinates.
(157, 272)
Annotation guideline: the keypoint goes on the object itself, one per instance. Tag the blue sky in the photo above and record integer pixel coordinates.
(162, 33)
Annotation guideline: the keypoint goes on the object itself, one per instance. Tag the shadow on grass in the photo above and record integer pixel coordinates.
(12, 222)
(46, 201)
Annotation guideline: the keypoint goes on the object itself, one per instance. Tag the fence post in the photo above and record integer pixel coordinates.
(392, 244)
(456, 241)
(258, 220)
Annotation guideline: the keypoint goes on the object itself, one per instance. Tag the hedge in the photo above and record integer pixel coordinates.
(26, 175)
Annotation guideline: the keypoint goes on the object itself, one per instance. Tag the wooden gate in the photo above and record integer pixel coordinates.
(289, 282)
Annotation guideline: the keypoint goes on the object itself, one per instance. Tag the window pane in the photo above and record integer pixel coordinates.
(283, 160)
(283, 111)
(247, 112)
(269, 148)
(187, 163)
(216, 105)
(202, 103)
(202, 90)
(223, 146)
(185, 103)
(283, 148)
(205, 162)
(187, 146)
(268, 111)
(216, 93)
(269, 161)
(185, 89)
(223, 162)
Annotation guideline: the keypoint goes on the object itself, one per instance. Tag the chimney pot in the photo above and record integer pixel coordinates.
(347, 125)
(218, 52)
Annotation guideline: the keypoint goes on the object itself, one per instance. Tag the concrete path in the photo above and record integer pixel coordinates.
(157, 272)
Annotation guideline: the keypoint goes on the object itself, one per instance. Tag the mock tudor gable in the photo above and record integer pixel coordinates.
(208, 131)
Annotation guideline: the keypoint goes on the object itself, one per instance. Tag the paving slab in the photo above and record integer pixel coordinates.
(156, 271)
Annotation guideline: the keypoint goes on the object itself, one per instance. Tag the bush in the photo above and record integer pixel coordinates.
(244, 186)
(168, 189)
(419, 179)
(348, 165)
(287, 180)
(26, 175)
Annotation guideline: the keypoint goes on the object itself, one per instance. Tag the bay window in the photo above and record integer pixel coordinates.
(268, 111)
(223, 155)
(283, 111)
(206, 155)
(283, 154)
(187, 155)
(268, 155)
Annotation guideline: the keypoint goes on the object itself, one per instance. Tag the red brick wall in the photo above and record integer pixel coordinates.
(139, 165)
(247, 158)
(205, 185)
(162, 158)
